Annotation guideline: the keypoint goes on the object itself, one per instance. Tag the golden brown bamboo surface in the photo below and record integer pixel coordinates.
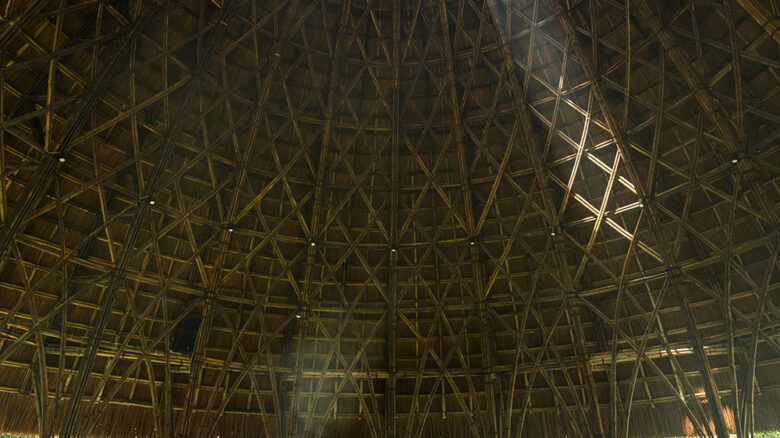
(426, 218)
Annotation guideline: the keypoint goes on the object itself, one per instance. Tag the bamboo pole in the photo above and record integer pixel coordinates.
(757, 9)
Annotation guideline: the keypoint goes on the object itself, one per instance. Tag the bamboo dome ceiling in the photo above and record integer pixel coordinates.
(487, 218)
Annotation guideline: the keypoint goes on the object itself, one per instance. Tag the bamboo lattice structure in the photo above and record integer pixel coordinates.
(396, 219)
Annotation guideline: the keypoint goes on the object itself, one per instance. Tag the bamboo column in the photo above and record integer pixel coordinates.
(391, 320)
(473, 244)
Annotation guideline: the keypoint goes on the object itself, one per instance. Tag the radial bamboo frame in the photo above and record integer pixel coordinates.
(504, 217)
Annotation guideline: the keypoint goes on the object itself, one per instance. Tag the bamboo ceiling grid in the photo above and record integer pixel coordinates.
(488, 218)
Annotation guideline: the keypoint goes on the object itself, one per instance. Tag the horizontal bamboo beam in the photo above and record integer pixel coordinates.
(354, 416)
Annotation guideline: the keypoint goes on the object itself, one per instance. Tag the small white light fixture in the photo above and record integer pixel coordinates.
(472, 240)
(298, 315)
(393, 248)
(152, 201)
(642, 203)
(230, 227)
(734, 158)
(312, 242)
(61, 158)
(553, 231)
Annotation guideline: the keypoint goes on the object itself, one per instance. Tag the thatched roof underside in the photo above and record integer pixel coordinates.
(471, 218)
